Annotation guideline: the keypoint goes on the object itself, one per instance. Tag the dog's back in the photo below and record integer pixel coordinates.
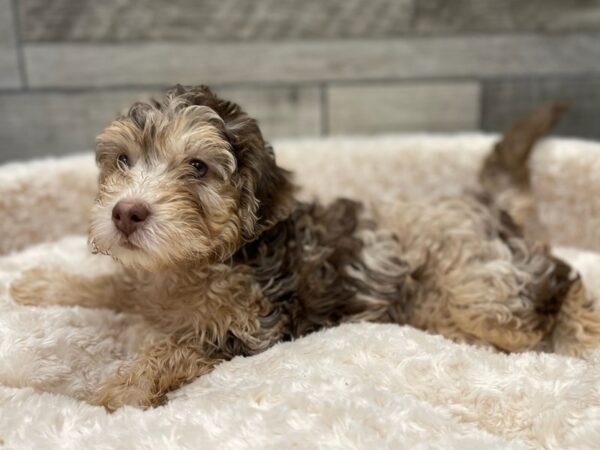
(462, 267)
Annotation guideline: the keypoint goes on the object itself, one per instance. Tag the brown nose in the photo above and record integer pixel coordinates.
(128, 215)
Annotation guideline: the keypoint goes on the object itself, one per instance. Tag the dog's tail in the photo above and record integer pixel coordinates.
(507, 166)
(504, 175)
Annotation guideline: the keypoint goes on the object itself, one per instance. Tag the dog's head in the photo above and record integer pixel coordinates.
(187, 179)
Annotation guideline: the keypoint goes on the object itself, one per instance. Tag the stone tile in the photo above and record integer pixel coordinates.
(382, 108)
(506, 101)
(9, 66)
(71, 65)
(281, 111)
(456, 16)
(211, 20)
(39, 124)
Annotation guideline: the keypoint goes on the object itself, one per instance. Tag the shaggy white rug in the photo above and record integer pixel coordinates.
(356, 386)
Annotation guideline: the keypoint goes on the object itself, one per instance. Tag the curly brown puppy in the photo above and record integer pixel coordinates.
(218, 254)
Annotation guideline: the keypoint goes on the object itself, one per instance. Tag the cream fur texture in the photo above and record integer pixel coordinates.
(356, 386)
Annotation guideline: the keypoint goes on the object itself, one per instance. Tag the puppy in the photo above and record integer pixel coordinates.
(217, 253)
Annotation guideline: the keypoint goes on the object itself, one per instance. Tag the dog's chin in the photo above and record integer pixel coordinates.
(135, 258)
(137, 253)
(130, 252)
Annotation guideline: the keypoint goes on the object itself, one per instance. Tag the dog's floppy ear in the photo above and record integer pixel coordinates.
(266, 189)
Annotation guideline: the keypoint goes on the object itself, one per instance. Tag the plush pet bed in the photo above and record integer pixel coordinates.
(356, 386)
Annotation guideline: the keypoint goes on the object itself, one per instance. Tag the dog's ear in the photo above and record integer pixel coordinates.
(267, 192)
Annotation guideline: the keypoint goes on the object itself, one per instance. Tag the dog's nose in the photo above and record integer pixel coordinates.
(128, 215)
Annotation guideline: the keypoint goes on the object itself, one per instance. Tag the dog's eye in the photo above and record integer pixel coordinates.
(123, 161)
(199, 166)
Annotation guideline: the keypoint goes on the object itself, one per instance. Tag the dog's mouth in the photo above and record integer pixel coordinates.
(118, 244)
(127, 244)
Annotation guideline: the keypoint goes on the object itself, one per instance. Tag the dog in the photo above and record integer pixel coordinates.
(219, 255)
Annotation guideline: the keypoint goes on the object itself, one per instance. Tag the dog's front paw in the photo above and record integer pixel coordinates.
(118, 393)
(35, 286)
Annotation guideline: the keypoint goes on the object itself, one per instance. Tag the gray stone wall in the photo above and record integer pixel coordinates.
(302, 67)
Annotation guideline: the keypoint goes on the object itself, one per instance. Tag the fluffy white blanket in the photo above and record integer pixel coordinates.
(356, 386)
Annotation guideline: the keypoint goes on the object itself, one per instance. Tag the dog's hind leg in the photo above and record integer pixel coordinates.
(512, 303)
(505, 179)
(577, 330)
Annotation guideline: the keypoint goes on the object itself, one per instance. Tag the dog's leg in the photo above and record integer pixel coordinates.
(509, 330)
(577, 331)
(508, 325)
(146, 381)
(517, 326)
(45, 286)
(506, 179)
(512, 304)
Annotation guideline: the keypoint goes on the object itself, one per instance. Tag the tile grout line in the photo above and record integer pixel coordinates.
(481, 100)
(408, 35)
(19, 46)
(324, 108)
(322, 84)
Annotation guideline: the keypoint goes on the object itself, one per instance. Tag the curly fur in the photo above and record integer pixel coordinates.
(231, 263)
